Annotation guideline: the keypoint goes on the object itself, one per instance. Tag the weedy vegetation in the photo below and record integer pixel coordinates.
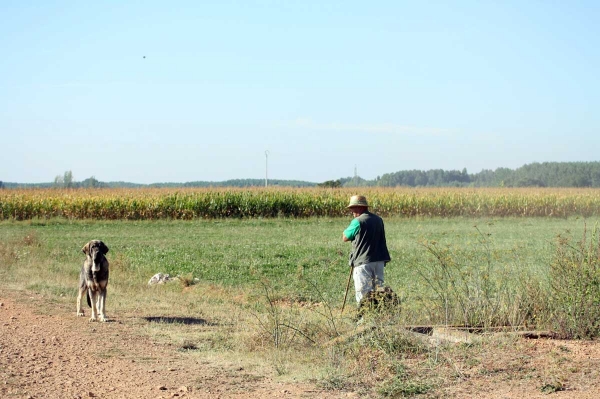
(575, 286)
(262, 276)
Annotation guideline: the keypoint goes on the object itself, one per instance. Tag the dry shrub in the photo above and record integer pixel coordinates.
(31, 239)
(187, 280)
(471, 288)
(575, 286)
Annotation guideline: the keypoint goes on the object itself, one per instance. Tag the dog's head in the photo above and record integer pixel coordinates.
(95, 249)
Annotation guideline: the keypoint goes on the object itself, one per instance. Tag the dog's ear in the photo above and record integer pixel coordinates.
(86, 249)
(103, 248)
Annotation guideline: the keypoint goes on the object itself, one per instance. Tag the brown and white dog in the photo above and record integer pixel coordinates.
(93, 279)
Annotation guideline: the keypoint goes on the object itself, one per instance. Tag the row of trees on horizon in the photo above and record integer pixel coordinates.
(547, 174)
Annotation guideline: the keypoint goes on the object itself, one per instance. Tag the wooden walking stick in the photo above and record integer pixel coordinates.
(347, 288)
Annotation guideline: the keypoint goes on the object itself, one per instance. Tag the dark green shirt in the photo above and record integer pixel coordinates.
(367, 234)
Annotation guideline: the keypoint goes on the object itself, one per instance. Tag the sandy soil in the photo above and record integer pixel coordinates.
(47, 352)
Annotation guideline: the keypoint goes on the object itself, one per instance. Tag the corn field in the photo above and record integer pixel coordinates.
(208, 203)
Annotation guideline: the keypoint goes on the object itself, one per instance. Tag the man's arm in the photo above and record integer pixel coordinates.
(351, 231)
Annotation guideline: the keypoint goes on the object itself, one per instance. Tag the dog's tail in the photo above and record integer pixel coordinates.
(89, 301)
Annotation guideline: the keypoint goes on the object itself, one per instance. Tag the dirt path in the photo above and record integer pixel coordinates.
(47, 352)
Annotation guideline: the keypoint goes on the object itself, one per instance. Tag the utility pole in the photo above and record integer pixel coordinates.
(266, 168)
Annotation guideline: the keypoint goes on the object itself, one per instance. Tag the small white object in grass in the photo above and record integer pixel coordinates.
(159, 278)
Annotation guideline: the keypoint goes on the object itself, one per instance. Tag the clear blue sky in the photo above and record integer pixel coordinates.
(177, 91)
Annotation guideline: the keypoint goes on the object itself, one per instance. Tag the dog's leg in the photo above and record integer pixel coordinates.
(101, 302)
(82, 291)
(94, 301)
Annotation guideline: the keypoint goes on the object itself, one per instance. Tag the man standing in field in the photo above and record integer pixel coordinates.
(369, 249)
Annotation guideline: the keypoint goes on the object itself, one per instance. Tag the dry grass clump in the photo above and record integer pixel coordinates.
(575, 286)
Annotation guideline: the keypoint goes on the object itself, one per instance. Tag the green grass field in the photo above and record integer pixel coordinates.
(300, 259)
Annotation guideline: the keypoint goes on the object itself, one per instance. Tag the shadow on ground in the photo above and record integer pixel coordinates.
(179, 320)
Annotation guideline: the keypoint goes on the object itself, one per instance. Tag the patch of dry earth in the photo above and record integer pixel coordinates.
(59, 355)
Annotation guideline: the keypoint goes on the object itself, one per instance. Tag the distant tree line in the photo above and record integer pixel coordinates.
(331, 184)
(67, 180)
(546, 174)
(250, 183)
(419, 178)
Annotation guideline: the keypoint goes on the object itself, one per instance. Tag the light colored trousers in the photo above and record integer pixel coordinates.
(366, 278)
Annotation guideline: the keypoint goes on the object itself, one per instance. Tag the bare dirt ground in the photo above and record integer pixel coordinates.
(47, 352)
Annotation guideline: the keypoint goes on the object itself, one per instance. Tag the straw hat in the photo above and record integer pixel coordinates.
(358, 200)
